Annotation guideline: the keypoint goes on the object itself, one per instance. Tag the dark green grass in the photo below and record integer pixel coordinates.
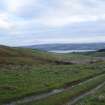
(26, 71)
(94, 54)
(67, 96)
(18, 81)
(97, 98)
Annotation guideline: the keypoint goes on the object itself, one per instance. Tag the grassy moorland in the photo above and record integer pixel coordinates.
(97, 98)
(67, 96)
(24, 72)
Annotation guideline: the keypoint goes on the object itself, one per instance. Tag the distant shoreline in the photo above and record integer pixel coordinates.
(69, 51)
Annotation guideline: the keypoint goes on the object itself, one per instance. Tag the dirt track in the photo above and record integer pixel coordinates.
(53, 92)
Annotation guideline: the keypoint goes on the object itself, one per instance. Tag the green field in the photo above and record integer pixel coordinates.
(97, 98)
(28, 72)
(67, 96)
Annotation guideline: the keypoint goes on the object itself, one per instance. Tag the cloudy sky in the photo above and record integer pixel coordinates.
(28, 22)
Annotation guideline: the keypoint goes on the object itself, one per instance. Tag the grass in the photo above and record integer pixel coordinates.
(25, 56)
(97, 98)
(64, 97)
(17, 81)
(24, 72)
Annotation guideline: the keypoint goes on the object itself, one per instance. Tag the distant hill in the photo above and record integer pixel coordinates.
(101, 50)
(10, 55)
(24, 56)
(28, 56)
(51, 47)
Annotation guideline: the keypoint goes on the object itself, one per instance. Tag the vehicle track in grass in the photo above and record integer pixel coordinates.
(31, 98)
(76, 99)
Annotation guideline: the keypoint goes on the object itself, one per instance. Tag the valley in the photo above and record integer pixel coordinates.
(34, 77)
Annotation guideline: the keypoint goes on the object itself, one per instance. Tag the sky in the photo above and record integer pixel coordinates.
(29, 22)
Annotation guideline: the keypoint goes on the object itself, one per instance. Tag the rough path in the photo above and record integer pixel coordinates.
(53, 92)
(34, 98)
(75, 100)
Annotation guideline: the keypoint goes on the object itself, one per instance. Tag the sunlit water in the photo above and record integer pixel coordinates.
(70, 51)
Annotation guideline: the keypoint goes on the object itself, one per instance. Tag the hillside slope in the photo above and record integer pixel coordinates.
(23, 56)
(9, 55)
(78, 46)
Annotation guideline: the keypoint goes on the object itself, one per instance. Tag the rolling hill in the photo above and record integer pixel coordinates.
(54, 47)
(10, 55)
(23, 56)
(26, 73)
